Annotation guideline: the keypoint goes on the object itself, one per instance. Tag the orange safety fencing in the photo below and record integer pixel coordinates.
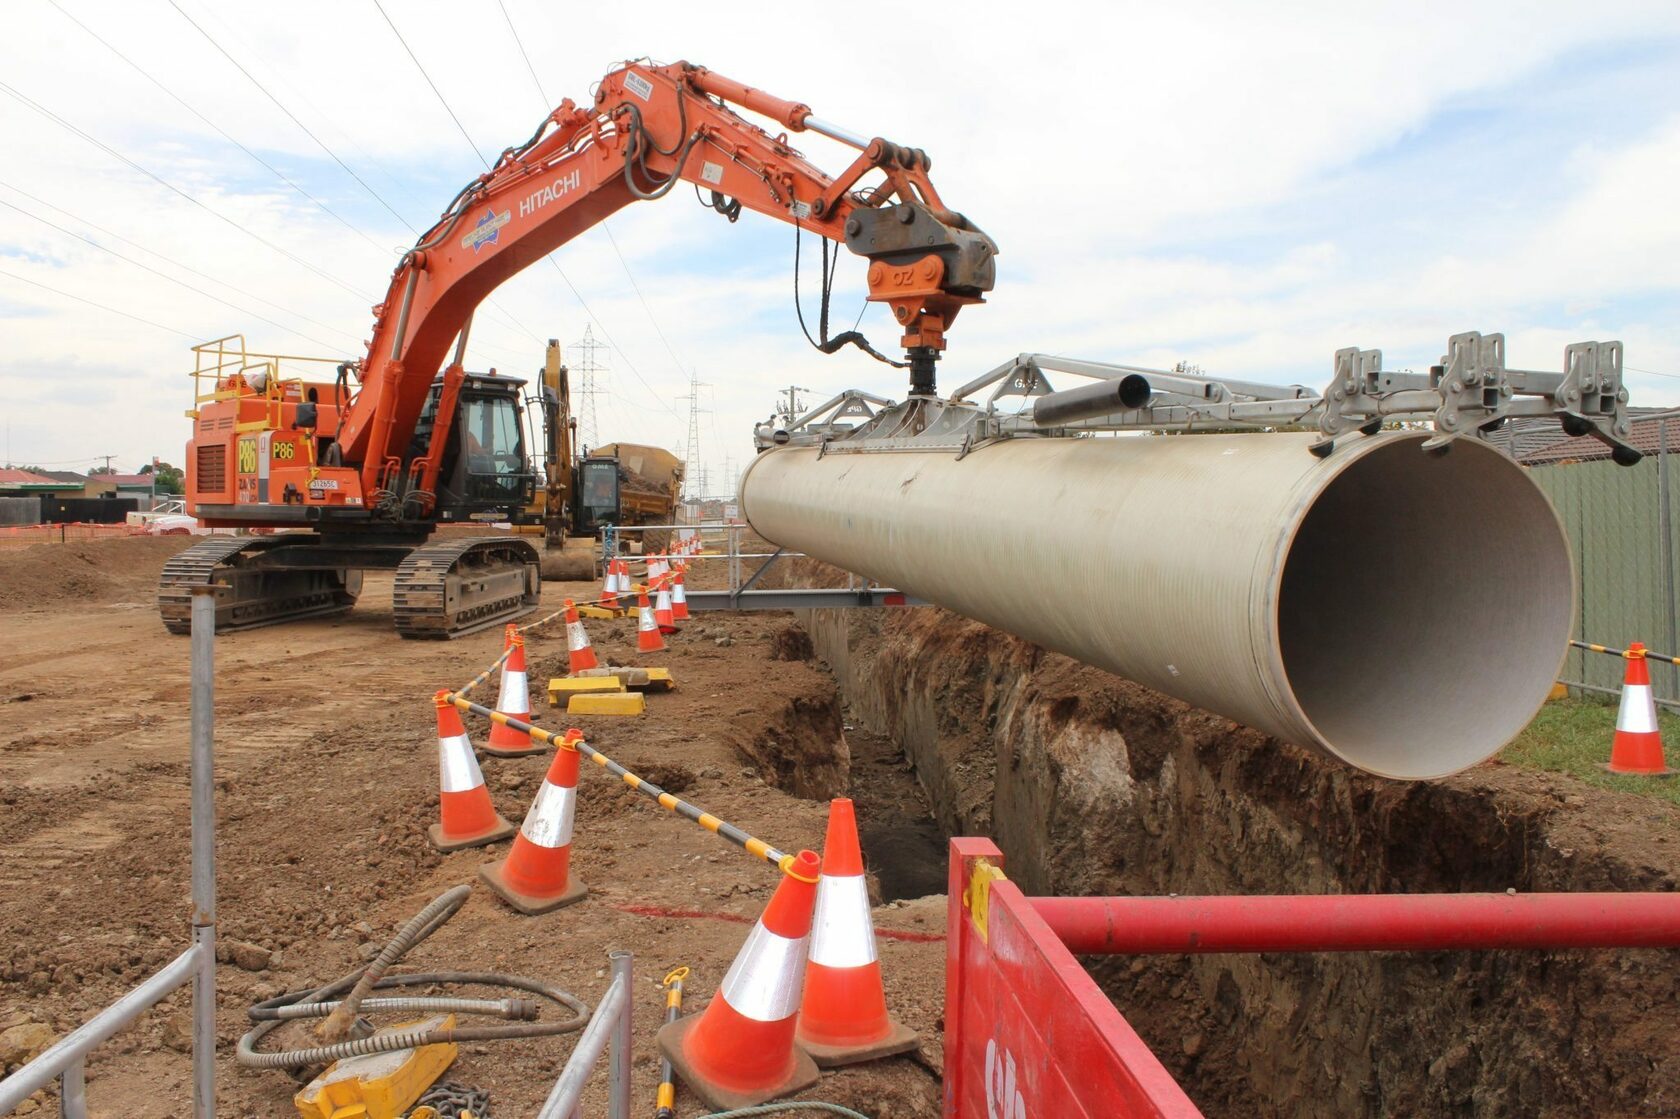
(18, 536)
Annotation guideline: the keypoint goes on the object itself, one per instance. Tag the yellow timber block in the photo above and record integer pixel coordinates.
(577, 685)
(659, 680)
(607, 703)
(599, 612)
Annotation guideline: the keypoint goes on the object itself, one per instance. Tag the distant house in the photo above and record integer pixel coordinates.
(24, 483)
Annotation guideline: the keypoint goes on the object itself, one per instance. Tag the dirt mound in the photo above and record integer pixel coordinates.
(45, 575)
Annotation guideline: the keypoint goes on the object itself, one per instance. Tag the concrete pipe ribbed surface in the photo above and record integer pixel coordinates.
(1403, 612)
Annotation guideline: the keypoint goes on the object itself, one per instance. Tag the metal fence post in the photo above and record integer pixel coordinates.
(618, 1052)
(72, 1091)
(1665, 552)
(204, 852)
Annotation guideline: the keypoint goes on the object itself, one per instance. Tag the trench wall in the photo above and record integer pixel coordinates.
(1094, 785)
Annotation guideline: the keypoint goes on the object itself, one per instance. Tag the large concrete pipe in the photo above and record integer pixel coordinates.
(1401, 611)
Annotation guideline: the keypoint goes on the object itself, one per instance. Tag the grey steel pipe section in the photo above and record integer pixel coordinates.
(1403, 612)
(204, 850)
(563, 1099)
(1100, 398)
(72, 1049)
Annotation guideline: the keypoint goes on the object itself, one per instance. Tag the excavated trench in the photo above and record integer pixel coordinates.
(1094, 785)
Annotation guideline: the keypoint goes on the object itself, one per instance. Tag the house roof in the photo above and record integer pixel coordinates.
(14, 479)
(69, 477)
(1541, 442)
(144, 481)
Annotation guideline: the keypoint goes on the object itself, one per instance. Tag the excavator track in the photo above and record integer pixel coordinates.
(455, 587)
(252, 596)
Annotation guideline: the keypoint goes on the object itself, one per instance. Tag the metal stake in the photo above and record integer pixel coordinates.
(618, 1052)
(1665, 549)
(204, 851)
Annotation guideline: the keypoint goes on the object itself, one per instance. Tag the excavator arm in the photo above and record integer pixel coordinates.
(651, 127)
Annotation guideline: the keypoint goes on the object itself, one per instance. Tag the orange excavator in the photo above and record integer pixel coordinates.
(363, 473)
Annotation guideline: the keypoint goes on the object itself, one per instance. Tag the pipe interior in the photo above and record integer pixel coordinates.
(1425, 608)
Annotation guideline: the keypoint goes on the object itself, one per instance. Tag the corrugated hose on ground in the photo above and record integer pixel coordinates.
(341, 1015)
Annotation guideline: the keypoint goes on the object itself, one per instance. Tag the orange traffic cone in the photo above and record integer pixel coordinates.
(679, 597)
(1637, 747)
(515, 702)
(536, 875)
(843, 1017)
(466, 816)
(739, 1051)
(648, 639)
(662, 608)
(578, 649)
(656, 569)
(609, 586)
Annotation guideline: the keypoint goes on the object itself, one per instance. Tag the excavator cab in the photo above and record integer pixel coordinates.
(485, 474)
(597, 494)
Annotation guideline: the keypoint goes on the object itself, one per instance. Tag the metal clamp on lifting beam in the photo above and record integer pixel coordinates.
(1472, 393)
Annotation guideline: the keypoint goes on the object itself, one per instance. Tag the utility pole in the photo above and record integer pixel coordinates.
(691, 450)
(591, 371)
(107, 459)
(791, 408)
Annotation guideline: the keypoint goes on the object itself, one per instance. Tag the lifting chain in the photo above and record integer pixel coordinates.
(449, 1100)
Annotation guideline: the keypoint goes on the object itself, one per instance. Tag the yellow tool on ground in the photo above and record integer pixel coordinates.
(379, 1085)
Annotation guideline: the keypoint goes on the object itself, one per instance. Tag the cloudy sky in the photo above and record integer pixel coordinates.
(1244, 186)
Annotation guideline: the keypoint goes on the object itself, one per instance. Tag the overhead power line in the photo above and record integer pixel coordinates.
(278, 104)
(465, 135)
(441, 100)
(157, 272)
(223, 133)
(507, 318)
(173, 189)
(178, 264)
(101, 306)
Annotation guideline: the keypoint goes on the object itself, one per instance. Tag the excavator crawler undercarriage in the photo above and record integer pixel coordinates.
(442, 590)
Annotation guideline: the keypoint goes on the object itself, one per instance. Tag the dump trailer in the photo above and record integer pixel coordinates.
(645, 483)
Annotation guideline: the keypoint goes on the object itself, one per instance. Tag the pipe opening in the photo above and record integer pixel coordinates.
(1424, 608)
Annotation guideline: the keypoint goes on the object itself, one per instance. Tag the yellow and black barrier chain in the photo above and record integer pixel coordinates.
(670, 802)
(528, 627)
(667, 1099)
(1626, 654)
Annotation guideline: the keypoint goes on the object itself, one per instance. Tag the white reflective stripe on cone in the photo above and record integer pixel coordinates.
(842, 934)
(549, 823)
(644, 618)
(514, 699)
(457, 767)
(765, 981)
(575, 637)
(1638, 713)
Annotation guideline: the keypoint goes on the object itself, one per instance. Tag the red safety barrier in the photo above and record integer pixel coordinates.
(1362, 923)
(1028, 1034)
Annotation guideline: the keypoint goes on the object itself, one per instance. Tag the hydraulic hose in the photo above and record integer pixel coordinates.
(275, 1012)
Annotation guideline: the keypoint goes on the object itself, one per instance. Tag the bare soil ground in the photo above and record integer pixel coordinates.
(326, 781)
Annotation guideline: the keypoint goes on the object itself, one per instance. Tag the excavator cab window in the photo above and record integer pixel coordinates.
(597, 493)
